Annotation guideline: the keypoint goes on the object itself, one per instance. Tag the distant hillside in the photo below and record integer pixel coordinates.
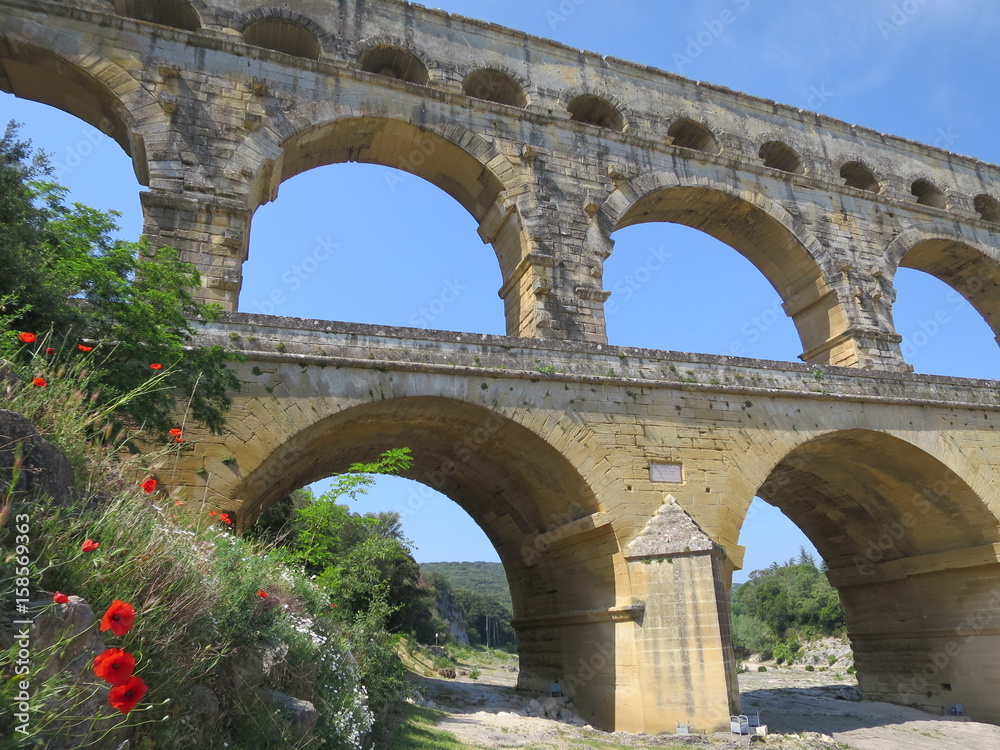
(481, 577)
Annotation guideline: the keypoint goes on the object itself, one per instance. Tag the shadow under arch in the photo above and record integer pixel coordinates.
(767, 235)
(912, 549)
(457, 161)
(518, 488)
(959, 257)
(84, 84)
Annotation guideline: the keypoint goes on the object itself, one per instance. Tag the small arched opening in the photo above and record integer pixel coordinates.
(394, 62)
(282, 35)
(494, 86)
(987, 207)
(857, 175)
(178, 14)
(781, 156)
(690, 134)
(593, 110)
(928, 194)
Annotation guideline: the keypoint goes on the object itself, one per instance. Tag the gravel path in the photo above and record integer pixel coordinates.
(808, 710)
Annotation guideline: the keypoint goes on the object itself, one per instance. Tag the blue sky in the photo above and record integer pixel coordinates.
(922, 69)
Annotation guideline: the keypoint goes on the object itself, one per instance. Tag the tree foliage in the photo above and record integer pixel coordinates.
(781, 599)
(362, 561)
(69, 280)
(486, 578)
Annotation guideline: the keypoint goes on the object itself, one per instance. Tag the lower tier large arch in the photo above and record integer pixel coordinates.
(520, 490)
(913, 552)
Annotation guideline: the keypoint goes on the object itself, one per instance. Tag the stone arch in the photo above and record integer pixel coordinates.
(495, 85)
(80, 81)
(598, 107)
(595, 110)
(519, 487)
(926, 193)
(779, 155)
(957, 255)
(757, 227)
(178, 14)
(857, 174)
(689, 133)
(901, 531)
(283, 30)
(987, 207)
(456, 160)
(394, 60)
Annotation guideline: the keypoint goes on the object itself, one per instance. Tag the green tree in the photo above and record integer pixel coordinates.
(487, 620)
(69, 280)
(796, 596)
(363, 562)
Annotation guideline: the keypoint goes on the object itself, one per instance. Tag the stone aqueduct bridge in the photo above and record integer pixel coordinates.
(613, 482)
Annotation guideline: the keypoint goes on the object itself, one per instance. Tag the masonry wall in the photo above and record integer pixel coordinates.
(919, 535)
(214, 125)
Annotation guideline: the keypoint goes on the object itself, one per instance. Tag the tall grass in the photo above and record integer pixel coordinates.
(201, 630)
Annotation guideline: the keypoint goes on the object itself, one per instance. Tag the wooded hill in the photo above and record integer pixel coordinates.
(486, 578)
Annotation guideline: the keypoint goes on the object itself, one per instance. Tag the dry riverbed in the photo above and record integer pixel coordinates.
(808, 710)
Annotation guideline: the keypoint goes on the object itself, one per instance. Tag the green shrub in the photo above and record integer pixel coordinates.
(810, 668)
(761, 668)
(752, 636)
(787, 651)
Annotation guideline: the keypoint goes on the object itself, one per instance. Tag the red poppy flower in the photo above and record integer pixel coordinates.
(226, 519)
(83, 348)
(28, 338)
(149, 485)
(119, 618)
(40, 382)
(156, 366)
(90, 545)
(178, 502)
(60, 598)
(213, 513)
(262, 594)
(124, 697)
(178, 440)
(50, 351)
(175, 431)
(115, 666)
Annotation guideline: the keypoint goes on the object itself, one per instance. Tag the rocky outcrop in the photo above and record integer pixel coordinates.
(40, 467)
(453, 617)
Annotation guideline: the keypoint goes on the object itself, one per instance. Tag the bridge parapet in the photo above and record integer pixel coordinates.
(264, 338)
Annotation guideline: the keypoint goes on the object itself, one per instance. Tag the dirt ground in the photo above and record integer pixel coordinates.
(807, 710)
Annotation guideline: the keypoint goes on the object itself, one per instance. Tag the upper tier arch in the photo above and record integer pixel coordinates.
(760, 229)
(81, 82)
